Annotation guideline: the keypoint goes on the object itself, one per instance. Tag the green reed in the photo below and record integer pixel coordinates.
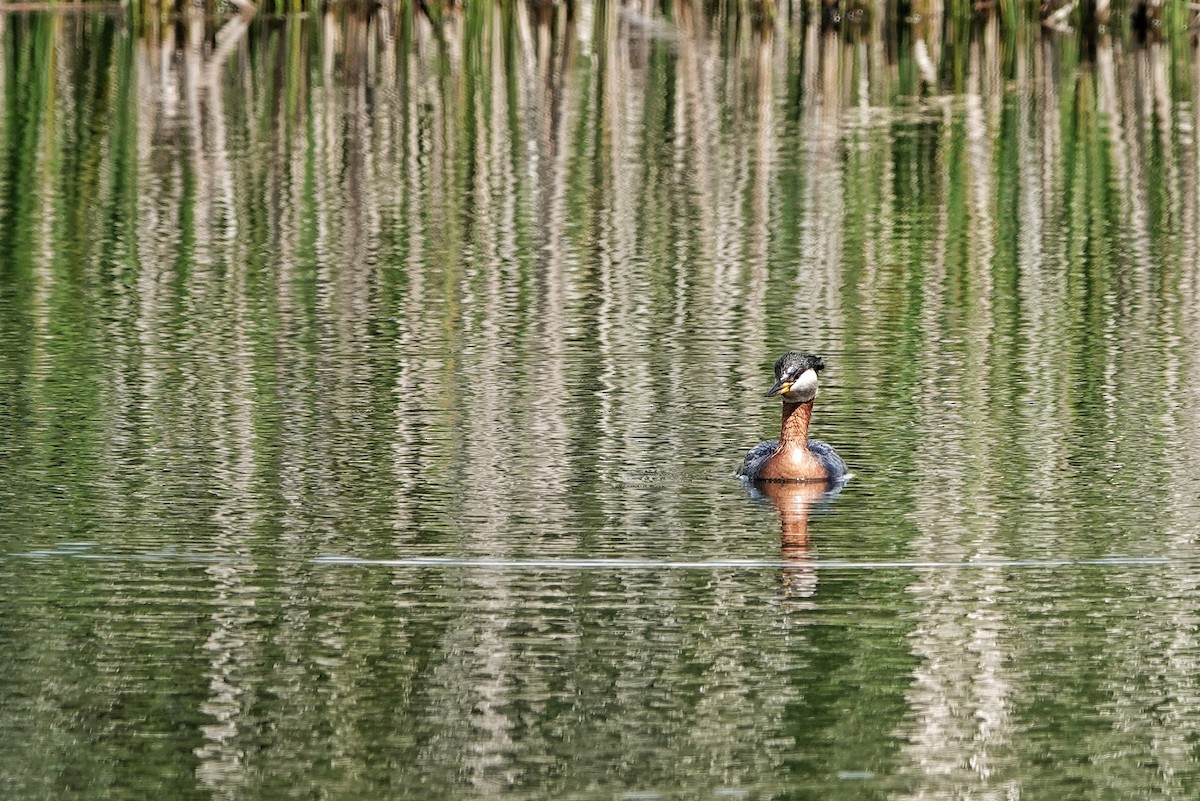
(1085, 18)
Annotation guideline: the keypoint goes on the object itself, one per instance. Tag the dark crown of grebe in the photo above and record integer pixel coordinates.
(796, 376)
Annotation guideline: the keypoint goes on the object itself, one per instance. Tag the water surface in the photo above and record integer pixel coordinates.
(371, 391)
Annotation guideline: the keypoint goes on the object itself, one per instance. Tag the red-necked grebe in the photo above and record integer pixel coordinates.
(794, 457)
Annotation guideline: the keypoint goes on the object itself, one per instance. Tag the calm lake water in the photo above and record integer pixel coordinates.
(371, 392)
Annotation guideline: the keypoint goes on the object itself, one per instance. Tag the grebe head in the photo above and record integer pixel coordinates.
(796, 377)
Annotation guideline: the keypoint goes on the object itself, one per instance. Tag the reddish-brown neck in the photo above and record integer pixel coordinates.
(794, 429)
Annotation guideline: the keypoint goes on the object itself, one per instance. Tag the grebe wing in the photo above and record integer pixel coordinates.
(827, 456)
(753, 463)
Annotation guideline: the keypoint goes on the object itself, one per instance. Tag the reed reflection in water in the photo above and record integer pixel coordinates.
(505, 289)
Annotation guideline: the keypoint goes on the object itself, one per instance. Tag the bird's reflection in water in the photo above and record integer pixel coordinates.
(795, 502)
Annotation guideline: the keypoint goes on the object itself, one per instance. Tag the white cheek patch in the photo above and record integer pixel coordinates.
(805, 385)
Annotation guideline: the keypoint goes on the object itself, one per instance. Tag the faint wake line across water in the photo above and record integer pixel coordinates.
(86, 551)
(741, 564)
(146, 556)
